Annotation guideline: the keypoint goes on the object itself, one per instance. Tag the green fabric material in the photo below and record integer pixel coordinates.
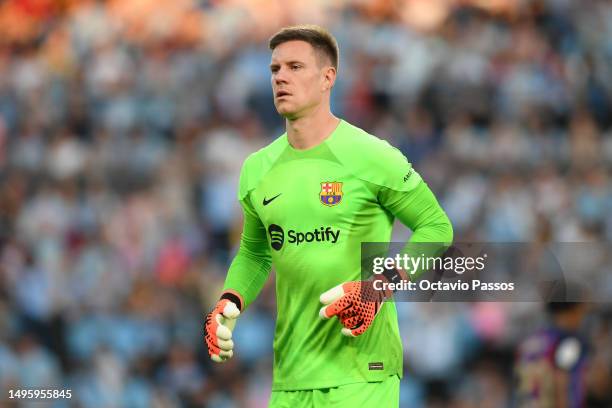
(383, 394)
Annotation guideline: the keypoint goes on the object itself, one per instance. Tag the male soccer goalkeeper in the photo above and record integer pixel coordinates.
(309, 199)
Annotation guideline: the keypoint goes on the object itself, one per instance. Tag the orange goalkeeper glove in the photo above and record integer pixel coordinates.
(356, 304)
(218, 328)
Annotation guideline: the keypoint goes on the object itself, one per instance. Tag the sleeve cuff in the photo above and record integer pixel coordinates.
(235, 297)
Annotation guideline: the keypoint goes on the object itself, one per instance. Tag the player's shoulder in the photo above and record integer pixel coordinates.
(267, 155)
(258, 163)
(373, 159)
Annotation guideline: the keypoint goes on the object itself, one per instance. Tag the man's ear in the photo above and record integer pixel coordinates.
(329, 78)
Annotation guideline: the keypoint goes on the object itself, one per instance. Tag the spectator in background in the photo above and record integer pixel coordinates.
(552, 363)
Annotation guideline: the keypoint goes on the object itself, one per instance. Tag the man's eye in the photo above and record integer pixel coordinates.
(295, 67)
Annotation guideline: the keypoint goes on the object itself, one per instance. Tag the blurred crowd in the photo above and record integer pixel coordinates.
(123, 127)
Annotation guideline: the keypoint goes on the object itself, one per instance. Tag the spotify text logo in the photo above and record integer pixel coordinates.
(321, 234)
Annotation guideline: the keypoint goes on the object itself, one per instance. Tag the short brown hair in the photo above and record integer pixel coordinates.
(318, 37)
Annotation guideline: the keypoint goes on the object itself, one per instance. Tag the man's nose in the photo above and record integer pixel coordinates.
(280, 76)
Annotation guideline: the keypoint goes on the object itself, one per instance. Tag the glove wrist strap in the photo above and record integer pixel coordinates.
(392, 275)
(233, 297)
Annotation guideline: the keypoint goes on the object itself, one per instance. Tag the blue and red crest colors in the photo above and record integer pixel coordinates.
(331, 193)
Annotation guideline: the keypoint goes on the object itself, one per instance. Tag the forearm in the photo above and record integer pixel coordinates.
(248, 272)
(419, 210)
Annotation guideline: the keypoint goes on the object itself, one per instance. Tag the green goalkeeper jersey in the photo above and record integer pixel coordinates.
(307, 212)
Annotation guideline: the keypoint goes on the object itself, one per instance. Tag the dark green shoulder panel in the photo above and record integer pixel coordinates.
(373, 160)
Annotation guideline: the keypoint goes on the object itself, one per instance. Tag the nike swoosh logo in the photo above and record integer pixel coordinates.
(266, 202)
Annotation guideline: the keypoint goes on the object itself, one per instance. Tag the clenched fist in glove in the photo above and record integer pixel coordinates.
(356, 304)
(218, 328)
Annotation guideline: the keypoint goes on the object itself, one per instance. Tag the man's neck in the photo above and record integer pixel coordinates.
(310, 131)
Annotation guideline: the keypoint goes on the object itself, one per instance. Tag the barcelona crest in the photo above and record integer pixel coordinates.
(331, 193)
